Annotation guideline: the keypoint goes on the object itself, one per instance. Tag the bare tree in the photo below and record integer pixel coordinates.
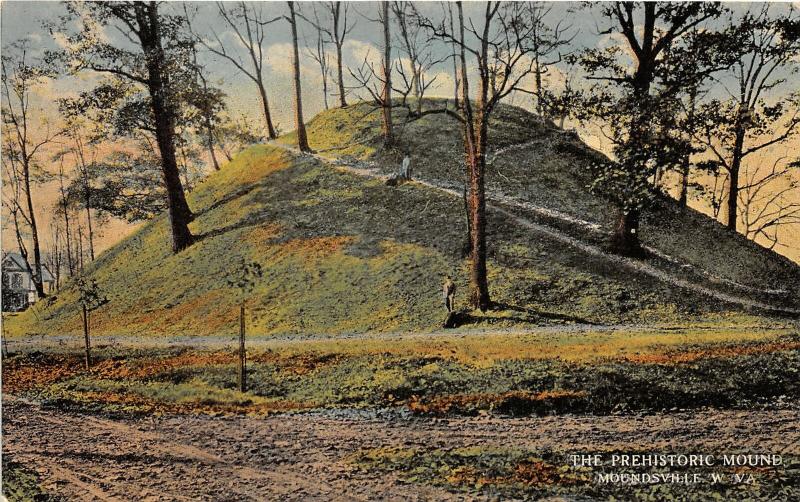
(248, 22)
(319, 51)
(22, 145)
(378, 82)
(78, 150)
(561, 104)
(766, 200)
(686, 161)
(337, 32)
(12, 197)
(447, 9)
(417, 49)
(206, 110)
(386, 98)
(206, 100)
(548, 43)
(767, 49)
(687, 64)
(500, 45)
(63, 207)
(54, 257)
(302, 138)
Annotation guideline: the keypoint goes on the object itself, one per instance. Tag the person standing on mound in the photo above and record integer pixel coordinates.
(449, 292)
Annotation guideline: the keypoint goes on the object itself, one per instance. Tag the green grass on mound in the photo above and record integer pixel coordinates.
(343, 253)
(553, 171)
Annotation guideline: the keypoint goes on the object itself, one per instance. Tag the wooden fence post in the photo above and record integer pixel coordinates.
(242, 356)
(86, 336)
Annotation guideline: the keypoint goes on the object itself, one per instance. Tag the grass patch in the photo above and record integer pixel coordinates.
(496, 374)
(21, 484)
(511, 472)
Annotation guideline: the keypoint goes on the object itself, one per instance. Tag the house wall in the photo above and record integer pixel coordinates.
(25, 294)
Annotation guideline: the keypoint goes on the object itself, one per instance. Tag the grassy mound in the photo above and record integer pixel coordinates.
(343, 253)
(551, 169)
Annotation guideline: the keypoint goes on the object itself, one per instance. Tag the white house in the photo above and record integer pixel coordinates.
(18, 288)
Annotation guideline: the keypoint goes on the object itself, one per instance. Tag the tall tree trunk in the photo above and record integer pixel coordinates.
(537, 72)
(733, 178)
(467, 249)
(459, 59)
(55, 262)
(388, 135)
(209, 127)
(262, 92)
(455, 59)
(478, 280)
(302, 139)
(456, 82)
(87, 203)
(476, 135)
(158, 83)
(37, 254)
(625, 240)
(210, 144)
(325, 91)
(23, 251)
(91, 234)
(64, 207)
(418, 89)
(79, 245)
(733, 198)
(207, 124)
(686, 161)
(683, 199)
(340, 75)
(338, 43)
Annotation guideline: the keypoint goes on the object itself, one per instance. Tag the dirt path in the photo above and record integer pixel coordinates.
(367, 170)
(305, 456)
(64, 342)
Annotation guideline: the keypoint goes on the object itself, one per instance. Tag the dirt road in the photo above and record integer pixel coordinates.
(304, 456)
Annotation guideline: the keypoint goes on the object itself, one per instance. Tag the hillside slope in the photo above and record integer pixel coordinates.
(535, 162)
(346, 253)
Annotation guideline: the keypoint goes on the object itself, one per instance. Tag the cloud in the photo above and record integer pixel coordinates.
(355, 52)
(443, 84)
(280, 61)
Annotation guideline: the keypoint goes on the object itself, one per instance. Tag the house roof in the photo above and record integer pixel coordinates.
(19, 262)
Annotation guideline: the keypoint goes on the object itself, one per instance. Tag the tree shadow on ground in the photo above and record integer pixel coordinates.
(240, 192)
(459, 318)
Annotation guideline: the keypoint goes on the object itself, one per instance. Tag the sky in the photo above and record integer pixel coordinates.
(23, 20)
